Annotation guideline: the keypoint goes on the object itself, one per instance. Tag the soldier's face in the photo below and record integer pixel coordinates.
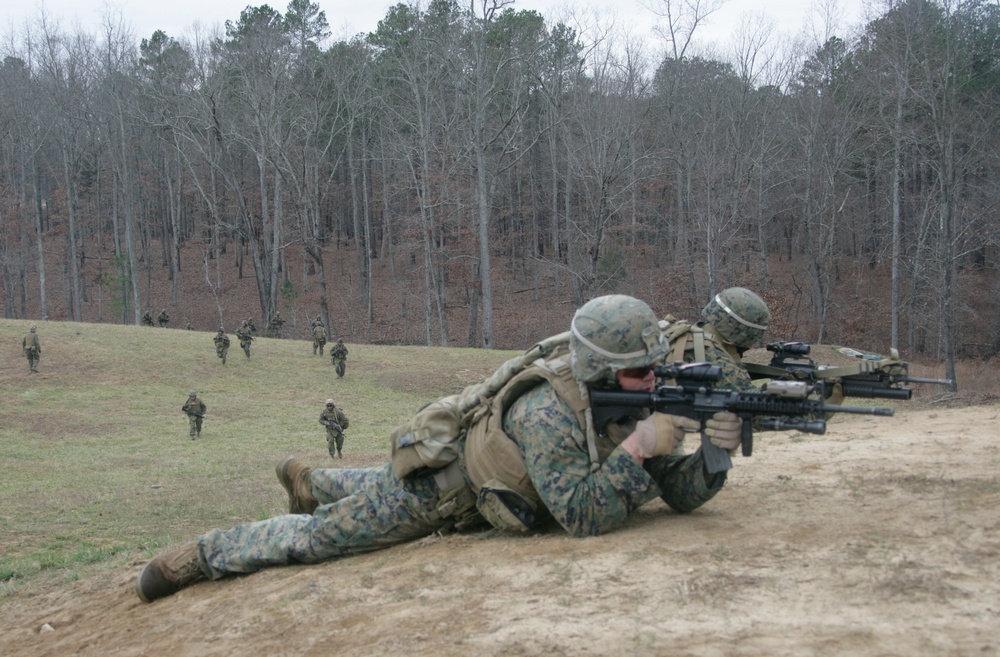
(636, 379)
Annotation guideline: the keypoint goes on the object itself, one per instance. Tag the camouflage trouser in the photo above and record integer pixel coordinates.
(334, 441)
(318, 344)
(194, 423)
(32, 356)
(360, 510)
(340, 365)
(221, 353)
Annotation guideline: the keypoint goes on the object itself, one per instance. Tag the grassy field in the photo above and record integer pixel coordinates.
(98, 468)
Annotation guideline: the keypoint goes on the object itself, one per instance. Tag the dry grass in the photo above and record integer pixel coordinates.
(95, 451)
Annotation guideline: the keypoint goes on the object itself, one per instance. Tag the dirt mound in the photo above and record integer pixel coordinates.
(881, 537)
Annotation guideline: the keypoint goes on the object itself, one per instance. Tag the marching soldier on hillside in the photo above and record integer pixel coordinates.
(195, 409)
(319, 337)
(147, 318)
(163, 318)
(276, 324)
(32, 348)
(335, 422)
(221, 341)
(246, 337)
(338, 355)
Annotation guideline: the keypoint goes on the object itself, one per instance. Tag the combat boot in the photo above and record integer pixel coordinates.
(169, 573)
(294, 476)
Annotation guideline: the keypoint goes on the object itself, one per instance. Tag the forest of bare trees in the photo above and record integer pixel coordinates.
(458, 136)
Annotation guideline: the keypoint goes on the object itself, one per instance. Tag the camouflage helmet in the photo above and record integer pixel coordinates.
(612, 333)
(739, 316)
(329, 402)
(192, 394)
(33, 328)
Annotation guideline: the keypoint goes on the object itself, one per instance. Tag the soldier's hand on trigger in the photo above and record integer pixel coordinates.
(724, 430)
(658, 434)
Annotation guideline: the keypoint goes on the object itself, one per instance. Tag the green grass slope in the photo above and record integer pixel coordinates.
(97, 465)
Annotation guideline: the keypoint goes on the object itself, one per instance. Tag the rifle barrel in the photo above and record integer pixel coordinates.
(920, 379)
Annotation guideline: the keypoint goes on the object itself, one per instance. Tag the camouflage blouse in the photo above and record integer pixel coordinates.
(589, 502)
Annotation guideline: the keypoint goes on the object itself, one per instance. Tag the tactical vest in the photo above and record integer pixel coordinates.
(505, 496)
(682, 335)
(460, 440)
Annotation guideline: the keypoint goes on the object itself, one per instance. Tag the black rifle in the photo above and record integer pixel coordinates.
(875, 378)
(782, 406)
(184, 410)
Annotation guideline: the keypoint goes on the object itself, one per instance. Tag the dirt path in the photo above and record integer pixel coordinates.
(880, 538)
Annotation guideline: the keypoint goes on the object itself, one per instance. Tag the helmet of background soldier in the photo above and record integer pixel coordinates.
(221, 330)
(33, 328)
(329, 402)
(739, 316)
(192, 394)
(611, 333)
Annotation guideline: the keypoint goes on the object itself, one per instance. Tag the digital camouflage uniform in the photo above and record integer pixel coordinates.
(335, 422)
(366, 509)
(195, 409)
(147, 318)
(221, 341)
(163, 318)
(338, 356)
(32, 349)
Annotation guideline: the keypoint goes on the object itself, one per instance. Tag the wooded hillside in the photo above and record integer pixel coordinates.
(469, 176)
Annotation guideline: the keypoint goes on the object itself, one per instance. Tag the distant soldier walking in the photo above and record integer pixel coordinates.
(339, 357)
(163, 318)
(245, 334)
(275, 325)
(32, 348)
(147, 318)
(221, 341)
(319, 337)
(335, 422)
(195, 409)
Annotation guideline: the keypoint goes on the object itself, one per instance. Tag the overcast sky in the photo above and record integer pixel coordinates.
(347, 17)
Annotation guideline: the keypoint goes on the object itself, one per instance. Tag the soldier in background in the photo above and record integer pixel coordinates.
(251, 327)
(189, 327)
(195, 409)
(221, 341)
(338, 355)
(147, 318)
(335, 422)
(163, 318)
(32, 348)
(319, 337)
(275, 325)
(245, 335)
(730, 324)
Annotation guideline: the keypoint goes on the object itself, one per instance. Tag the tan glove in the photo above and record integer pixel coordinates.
(659, 433)
(836, 396)
(723, 430)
